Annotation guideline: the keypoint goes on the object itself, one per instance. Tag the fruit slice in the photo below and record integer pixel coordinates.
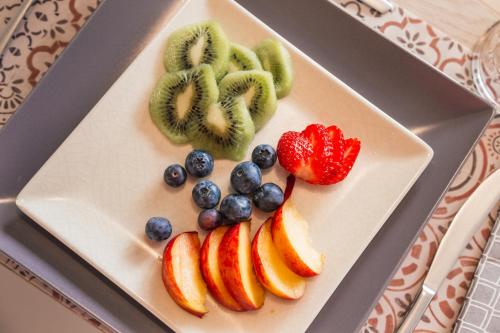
(241, 58)
(291, 237)
(271, 270)
(337, 138)
(181, 273)
(202, 43)
(209, 264)
(225, 129)
(306, 154)
(341, 170)
(275, 58)
(178, 96)
(236, 269)
(352, 148)
(257, 89)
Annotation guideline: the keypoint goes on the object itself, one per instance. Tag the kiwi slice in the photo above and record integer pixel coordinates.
(225, 129)
(202, 43)
(275, 58)
(241, 58)
(257, 89)
(178, 96)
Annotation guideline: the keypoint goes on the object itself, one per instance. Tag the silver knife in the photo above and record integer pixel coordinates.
(381, 6)
(4, 40)
(465, 224)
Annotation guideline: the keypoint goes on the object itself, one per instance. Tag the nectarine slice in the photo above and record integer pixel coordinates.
(209, 264)
(270, 268)
(181, 273)
(291, 237)
(236, 269)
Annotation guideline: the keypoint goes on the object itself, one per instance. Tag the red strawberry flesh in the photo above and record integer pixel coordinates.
(318, 155)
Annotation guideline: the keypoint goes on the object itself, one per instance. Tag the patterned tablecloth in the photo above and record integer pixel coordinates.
(51, 24)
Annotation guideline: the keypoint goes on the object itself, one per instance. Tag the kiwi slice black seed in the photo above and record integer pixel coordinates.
(178, 96)
(225, 129)
(257, 89)
(202, 43)
(241, 58)
(275, 58)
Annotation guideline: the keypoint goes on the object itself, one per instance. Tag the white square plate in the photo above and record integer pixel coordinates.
(98, 189)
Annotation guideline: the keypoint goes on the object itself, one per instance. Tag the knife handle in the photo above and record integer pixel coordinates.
(413, 317)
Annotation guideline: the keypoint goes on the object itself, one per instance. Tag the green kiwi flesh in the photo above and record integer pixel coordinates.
(178, 97)
(225, 129)
(241, 58)
(202, 43)
(257, 89)
(275, 58)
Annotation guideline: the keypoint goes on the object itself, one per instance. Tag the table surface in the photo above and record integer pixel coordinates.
(20, 301)
(463, 20)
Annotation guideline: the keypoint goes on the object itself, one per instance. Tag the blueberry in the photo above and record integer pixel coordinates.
(264, 156)
(246, 177)
(199, 163)
(175, 175)
(206, 194)
(158, 228)
(236, 208)
(268, 197)
(209, 219)
(226, 221)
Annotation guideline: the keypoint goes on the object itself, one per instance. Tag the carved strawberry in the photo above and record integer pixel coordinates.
(318, 155)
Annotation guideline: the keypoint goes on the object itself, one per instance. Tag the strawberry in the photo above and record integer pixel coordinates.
(302, 153)
(324, 155)
(318, 155)
(352, 148)
(294, 150)
(337, 137)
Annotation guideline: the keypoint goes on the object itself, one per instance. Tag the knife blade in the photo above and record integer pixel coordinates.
(381, 6)
(465, 224)
(4, 40)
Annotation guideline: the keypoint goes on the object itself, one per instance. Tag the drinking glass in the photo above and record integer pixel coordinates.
(486, 64)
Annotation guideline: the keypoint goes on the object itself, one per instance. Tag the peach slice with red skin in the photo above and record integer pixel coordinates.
(236, 267)
(181, 273)
(270, 268)
(291, 237)
(209, 264)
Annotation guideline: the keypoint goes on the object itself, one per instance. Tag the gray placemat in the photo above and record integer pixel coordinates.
(481, 310)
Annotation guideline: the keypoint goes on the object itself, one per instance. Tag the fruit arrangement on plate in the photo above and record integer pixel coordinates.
(216, 95)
